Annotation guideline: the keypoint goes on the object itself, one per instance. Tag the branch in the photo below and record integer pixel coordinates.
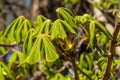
(8, 50)
(106, 75)
(75, 68)
(8, 45)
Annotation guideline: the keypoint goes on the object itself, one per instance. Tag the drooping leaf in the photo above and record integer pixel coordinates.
(57, 30)
(88, 60)
(19, 34)
(7, 31)
(67, 15)
(1, 73)
(102, 38)
(25, 28)
(40, 20)
(13, 28)
(82, 56)
(7, 70)
(12, 59)
(28, 43)
(60, 28)
(43, 28)
(17, 31)
(68, 27)
(50, 51)
(101, 61)
(34, 54)
(20, 57)
(92, 41)
(103, 29)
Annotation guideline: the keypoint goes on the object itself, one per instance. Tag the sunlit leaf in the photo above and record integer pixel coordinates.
(67, 15)
(26, 27)
(101, 61)
(7, 70)
(43, 28)
(82, 56)
(92, 41)
(60, 28)
(58, 76)
(117, 62)
(28, 43)
(57, 30)
(12, 59)
(40, 20)
(1, 73)
(88, 60)
(34, 54)
(50, 51)
(103, 29)
(13, 28)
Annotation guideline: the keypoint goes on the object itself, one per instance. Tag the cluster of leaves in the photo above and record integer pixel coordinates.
(45, 40)
(107, 4)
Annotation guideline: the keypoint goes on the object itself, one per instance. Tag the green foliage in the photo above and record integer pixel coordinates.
(46, 41)
(4, 71)
(107, 4)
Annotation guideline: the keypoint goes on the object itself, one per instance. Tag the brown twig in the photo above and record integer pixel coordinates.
(75, 68)
(8, 50)
(112, 52)
(8, 45)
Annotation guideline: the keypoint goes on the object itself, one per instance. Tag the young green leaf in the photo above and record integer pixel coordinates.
(92, 41)
(28, 43)
(81, 61)
(7, 70)
(12, 59)
(103, 29)
(60, 28)
(25, 28)
(50, 51)
(19, 34)
(57, 30)
(67, 15)
(40, 20)
(17, 31)
(43, 28)
(34, 54)
(88, 60)
(66, 25)
(1, 73)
